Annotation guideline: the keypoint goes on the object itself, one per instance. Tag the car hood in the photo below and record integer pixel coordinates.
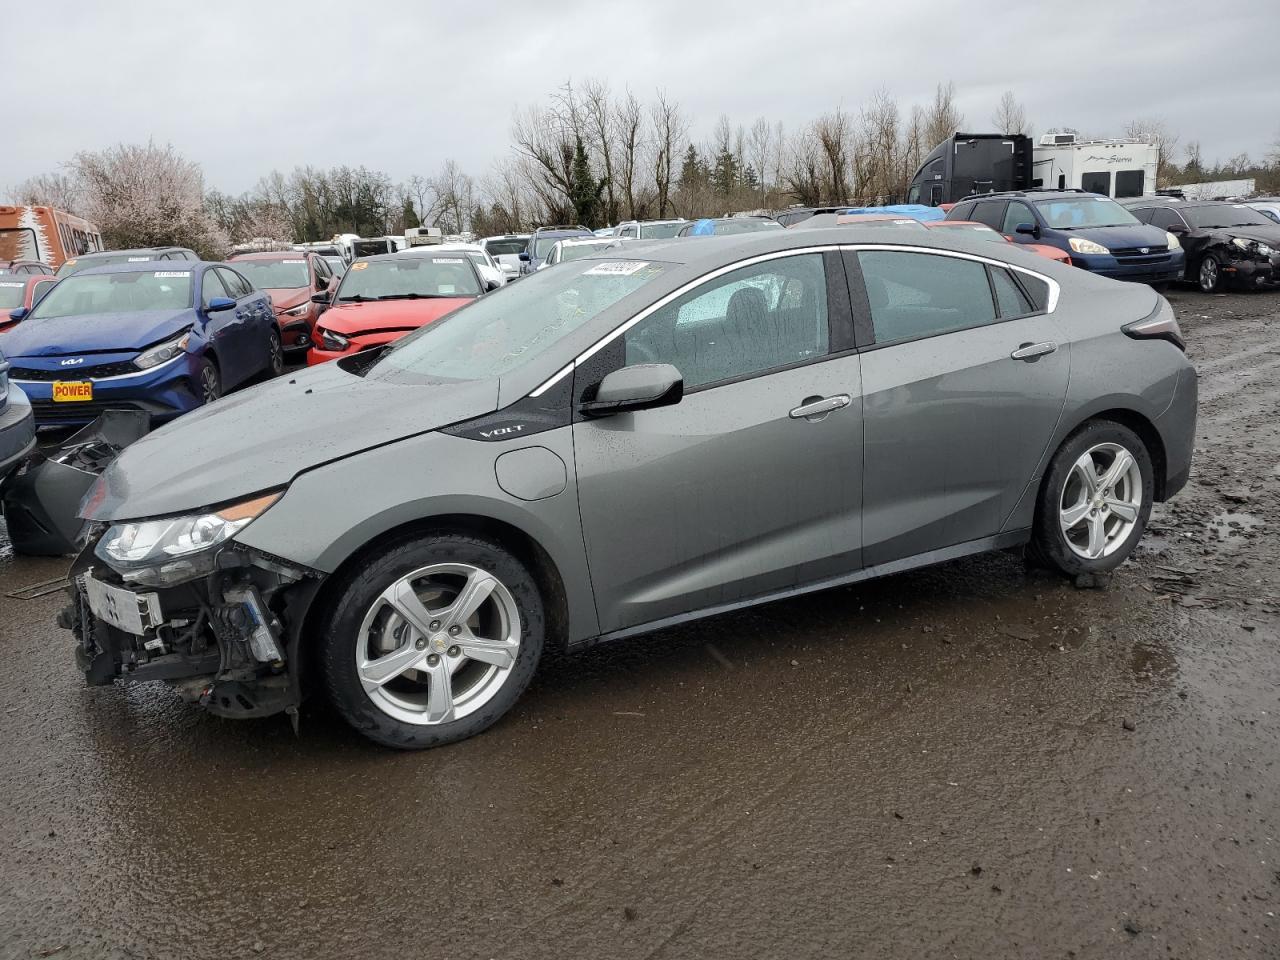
(261, 438)
(98, 333)
(1122, 236)
(1268, 235)
(350, 318)
(286, 298)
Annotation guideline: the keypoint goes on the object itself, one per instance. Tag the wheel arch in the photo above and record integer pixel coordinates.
(1140, 424)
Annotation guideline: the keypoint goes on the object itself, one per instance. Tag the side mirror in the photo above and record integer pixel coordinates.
(19, 314)
(490, 285)
(219, 303)
(321, 282)
(321, 297)
(1177, 229)
(641, 386)
(524, 256)
(1030, 229)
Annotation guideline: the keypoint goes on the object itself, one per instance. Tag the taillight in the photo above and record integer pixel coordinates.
(1160, 324)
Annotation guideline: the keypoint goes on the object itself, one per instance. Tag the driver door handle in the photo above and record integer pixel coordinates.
(819, 406)
(1031, 352)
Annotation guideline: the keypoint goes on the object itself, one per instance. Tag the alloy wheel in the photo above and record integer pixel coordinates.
(1208, 274)
(275, 363)
(210, 387)
(1101, 501)
(438, 644)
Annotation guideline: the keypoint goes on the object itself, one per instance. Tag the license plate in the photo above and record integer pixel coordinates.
(134, 613)
(72, 391)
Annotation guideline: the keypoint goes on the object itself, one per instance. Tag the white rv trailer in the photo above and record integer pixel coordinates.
(1115, 168)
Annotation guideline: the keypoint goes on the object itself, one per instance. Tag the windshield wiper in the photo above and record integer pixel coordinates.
(411, 296)
(357, 298)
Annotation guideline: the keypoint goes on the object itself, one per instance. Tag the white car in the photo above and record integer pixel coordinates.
(649, 229)
(488, 268)
(505, 251)
(573, 249)
(1269, 207)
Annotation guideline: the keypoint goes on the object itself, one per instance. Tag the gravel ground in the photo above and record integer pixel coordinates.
(968, 761)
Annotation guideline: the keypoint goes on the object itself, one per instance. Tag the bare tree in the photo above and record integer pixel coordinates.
(834, 135)
(628, 127)
(670, 128)
(879, 149)
(58, 190)
(1155, 131)
(803, 175)
(759, 144)
(943, 117)
(1010, 117)
(454, 193)
(598, 110)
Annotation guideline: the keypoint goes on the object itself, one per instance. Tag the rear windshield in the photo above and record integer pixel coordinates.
(575, 251)
(1084, 212)
(503, 248)
(1225, 215)
(275, 274)
(409, 278)
(542, 246)
(660, 231)
(743, 225)
(89, 294)
(507, 329)
(11, 295)
(104, 260)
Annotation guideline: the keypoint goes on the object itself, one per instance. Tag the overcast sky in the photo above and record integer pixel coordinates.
(245, 87)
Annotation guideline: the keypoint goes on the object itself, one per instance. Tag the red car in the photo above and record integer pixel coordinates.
(290, 278)
(21, 292)
(984, 232)
(382, 298)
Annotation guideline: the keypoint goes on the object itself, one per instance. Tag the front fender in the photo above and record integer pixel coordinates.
(330, 512)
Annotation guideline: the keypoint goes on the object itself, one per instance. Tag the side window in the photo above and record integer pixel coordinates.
(962, 211)
(1037, 289)
(1096, 182)
(1010, 299)
(322, 270)
(39, 290)
(211, 287)
(1017, 213)
(237, 286)
(1144, 216)
(750, 320)
(629, 232)
(915, 295)
(1164, 218)
(1129, 183)
(990, 212)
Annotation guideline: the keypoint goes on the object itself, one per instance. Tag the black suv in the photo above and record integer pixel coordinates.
(1227, 244)
(140, 255)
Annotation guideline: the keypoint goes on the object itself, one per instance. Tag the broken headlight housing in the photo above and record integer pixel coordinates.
(171, 550)
(162, 352)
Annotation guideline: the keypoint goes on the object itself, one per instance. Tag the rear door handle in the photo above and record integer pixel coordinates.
(1031, 352)
(817, 407)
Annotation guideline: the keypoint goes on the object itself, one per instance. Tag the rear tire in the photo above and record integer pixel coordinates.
(1094, 501)
(433, 641)
(275, 354)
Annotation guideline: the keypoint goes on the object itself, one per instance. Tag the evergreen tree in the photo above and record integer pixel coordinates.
(409, 215)
(693, 173)
(584, 189)
(724, 175)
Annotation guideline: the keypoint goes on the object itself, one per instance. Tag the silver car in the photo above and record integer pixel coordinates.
(641, 438)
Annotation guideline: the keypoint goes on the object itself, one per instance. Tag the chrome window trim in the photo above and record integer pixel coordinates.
(608, 338)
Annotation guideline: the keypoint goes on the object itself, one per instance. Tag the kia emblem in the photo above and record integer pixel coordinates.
(72, 361)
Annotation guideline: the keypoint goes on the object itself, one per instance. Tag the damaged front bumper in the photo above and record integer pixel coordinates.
(228, 640)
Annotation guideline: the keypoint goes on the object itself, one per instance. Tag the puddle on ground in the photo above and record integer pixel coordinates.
(1230, 525)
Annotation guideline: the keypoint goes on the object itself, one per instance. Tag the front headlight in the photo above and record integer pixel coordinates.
(162, 353)
(333, 341)
(1081, 245)
(1174, 242)
(299, 311)
(175, 549)
(1254, 247)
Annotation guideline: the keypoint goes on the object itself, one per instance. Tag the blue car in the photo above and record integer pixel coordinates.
(161, 337)
(1100, 235)
(17, 425)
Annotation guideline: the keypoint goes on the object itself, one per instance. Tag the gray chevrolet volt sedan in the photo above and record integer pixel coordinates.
(660, 433)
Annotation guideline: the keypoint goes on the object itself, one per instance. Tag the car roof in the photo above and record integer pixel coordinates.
(272, 255)
(421, 253)
(138, 250)
(1034, 195)
(183, 266)
(563, 232)
(589, 241)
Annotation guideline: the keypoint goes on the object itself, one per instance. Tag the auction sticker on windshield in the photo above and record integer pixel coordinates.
(6, 283)
(359, 266)
(617, 268)
(447, 260)
(139, 259)
(72, 391)
(172, 273)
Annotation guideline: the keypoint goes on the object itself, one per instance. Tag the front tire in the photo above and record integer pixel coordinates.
(1095, 500)
(1209, 276)
(208, 381)
(433, 641)
(275, 354)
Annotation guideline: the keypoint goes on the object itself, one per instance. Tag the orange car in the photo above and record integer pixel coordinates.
(382, 298)
(985, 232)
(19, 293)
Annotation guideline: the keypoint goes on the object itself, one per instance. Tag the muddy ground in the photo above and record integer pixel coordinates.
(968, 761)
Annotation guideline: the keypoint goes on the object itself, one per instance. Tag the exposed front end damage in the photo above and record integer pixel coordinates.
(227, 640)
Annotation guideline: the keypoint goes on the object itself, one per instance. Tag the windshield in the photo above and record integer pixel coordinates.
(19, 243)
(1225, 215)
(981, 231)
(508, 328)
(89, 294)
(106, 260)
(660, 231)
(408, 278)
(506, 248)
(11, 295)
(542, 246)
(275, 274)
(744, 225)
(573, 251)
(1084, 212)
